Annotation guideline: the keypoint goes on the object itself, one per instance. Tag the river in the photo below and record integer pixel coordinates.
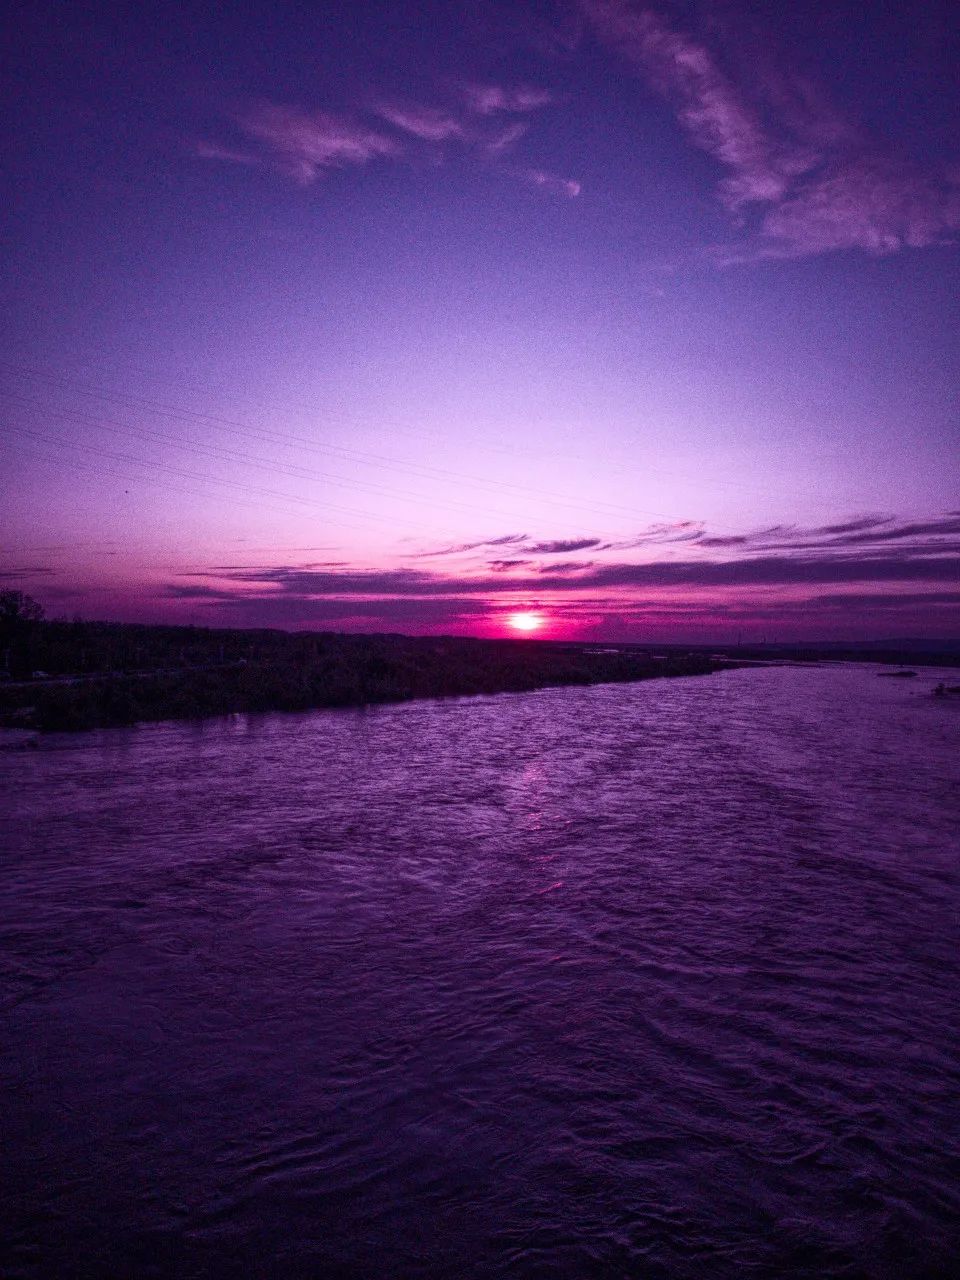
(657, 981)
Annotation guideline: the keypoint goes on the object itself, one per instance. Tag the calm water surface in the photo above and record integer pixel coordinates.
(654, 981)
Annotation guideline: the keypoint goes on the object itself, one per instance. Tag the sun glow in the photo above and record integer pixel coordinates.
(525, 621)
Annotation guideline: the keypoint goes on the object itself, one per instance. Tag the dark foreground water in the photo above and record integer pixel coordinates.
(653, 981)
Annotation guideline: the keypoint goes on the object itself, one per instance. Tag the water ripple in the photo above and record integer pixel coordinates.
(656, 980)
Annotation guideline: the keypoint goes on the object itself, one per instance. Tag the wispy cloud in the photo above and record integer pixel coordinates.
(866, 203)
(561, 546)
(429, 124)
(567, 566)
(803, 178)
(506, 137)
(936, 536)
(658, 535)
(493, 99)
(489, 119)
(678, 531)
(301, 144)
(232, 155)
(889, 552)
(568, 187)
(900, 573)
(505, 540)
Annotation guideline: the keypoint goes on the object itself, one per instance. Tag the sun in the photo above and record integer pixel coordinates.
(525, 621)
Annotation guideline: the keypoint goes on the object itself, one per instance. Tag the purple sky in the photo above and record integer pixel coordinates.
(411, 316)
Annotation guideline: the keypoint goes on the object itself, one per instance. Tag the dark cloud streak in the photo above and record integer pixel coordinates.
(770, 570)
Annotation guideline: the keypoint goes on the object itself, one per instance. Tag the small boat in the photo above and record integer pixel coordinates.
(897, 675)
(943, 690)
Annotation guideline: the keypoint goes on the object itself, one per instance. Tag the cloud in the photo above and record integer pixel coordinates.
(505, 540)
(17, 573)
(199, 591)
(364, 613)
(915, 537)
(810, 181)
(523, 542)
(568, 187)
(489, 119)
(801, 592)
(731, 540)
(233, 155)
(562, 546)
(857, 525)
(302, 144)
(658, 534)
(758, 570)
(774, 570)
(234, 568)
(493, 99)
(707, 103)
(866, 203)
(567, 566)
(472, 120)
(507, 137)
(888, 600)
(905, 573)
(430, 124)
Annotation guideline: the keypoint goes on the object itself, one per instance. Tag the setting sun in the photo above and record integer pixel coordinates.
(525, 621)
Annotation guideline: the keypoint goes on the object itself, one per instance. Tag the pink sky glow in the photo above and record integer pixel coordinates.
(640, 318)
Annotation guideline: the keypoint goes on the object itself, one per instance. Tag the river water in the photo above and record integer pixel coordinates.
(656, 980)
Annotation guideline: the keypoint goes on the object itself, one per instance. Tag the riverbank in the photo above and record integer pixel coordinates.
(298, 672)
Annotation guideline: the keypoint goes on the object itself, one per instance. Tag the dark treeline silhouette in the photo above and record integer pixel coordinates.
(81, 675)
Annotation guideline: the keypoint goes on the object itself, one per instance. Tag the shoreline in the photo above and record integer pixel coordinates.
(88, 703)
(71, 676)
(64, 676)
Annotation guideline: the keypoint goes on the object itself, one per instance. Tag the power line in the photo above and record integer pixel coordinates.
(223, 454)
(156, 483)
(192, 475)
(425, 436)
(365, 457)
